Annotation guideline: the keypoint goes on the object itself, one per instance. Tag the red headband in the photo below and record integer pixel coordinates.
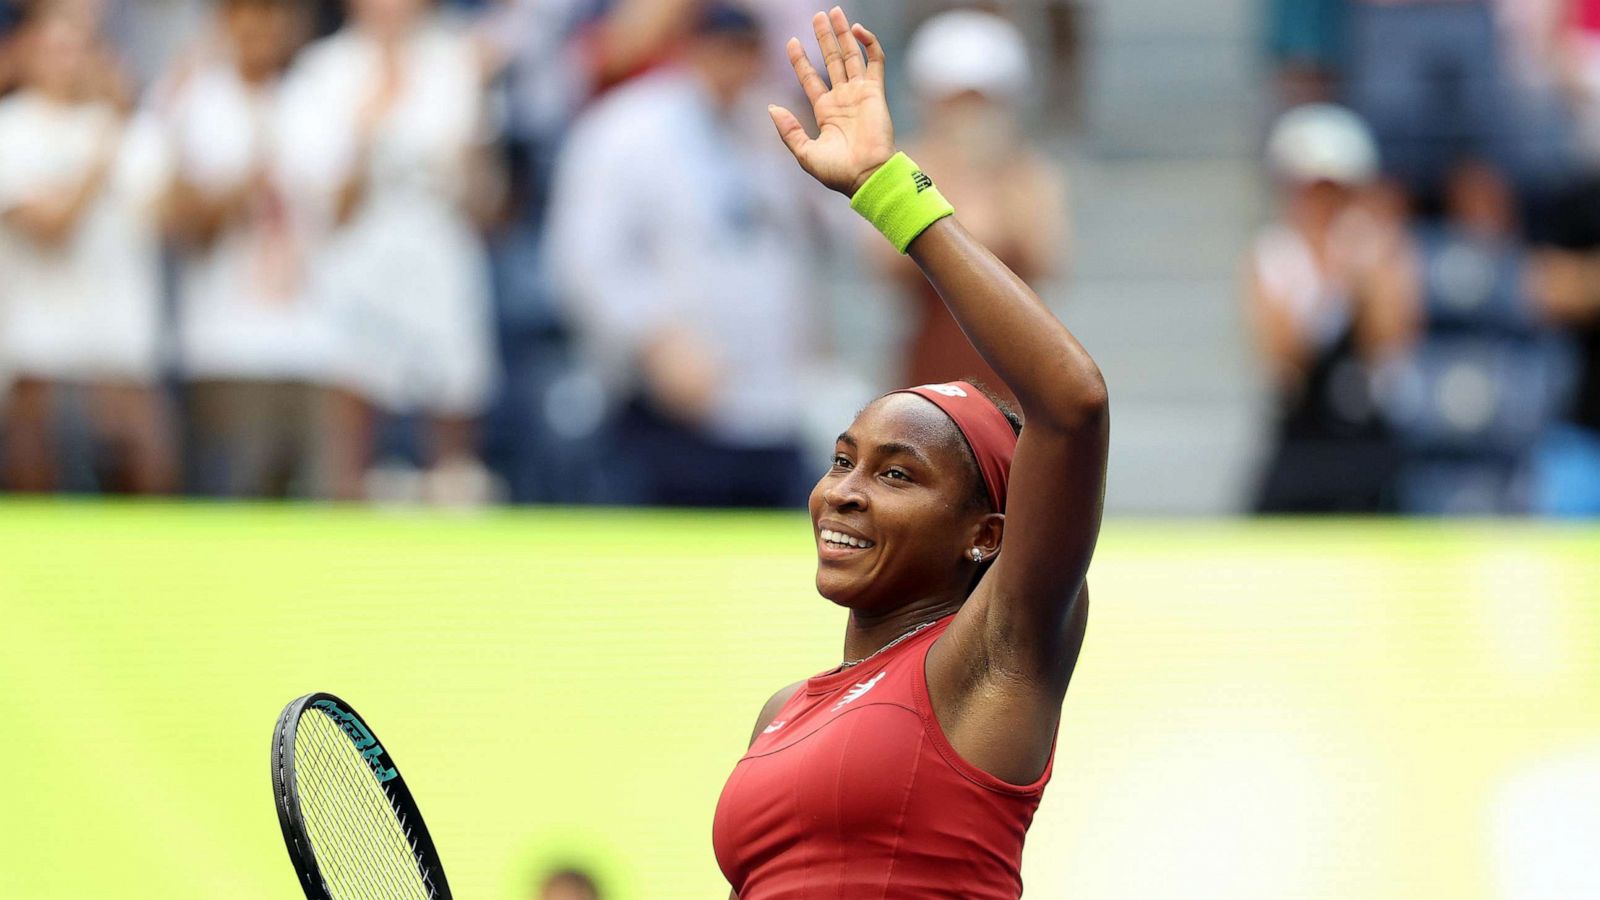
(987, 430)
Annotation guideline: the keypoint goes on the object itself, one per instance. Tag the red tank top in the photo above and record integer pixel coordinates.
(853, 791)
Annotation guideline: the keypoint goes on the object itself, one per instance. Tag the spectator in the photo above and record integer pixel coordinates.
(1305, 43)
(1426, 75)
(542, 50)
(379, 128)
(1569, 269)
(568, 884)
(1483, 382)
(1538, 150)
(970, 72)
(682, 271)
(1578, 51)
(252, 348)
(78, 246)
(1323, 303)
(1568, 289)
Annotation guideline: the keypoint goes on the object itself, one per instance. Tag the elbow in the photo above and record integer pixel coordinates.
(1090, 404)
(1079, 402)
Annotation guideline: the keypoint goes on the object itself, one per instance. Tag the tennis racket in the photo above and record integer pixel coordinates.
(351, 825)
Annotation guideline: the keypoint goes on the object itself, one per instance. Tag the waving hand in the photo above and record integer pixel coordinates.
(855, 135)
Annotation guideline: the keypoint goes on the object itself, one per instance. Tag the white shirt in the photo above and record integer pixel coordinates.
(88, 309)
(405, 281)
(243, 308)
(666, 213)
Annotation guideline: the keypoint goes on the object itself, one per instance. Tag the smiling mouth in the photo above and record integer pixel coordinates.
(840, 541)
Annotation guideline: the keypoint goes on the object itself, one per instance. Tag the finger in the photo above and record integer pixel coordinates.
(828, 43)
(789, 128)
(854, 65)
(810, 81)
(874, 51)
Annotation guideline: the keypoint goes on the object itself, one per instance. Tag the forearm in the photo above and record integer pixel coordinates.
(1052, 376)
(349, 196)
(195, 217)
(51, 219)
(1566, 285)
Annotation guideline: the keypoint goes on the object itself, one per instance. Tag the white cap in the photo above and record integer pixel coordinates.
(966, 50)
(1323, 142)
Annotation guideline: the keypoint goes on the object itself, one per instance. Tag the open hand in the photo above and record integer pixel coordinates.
(855, 135)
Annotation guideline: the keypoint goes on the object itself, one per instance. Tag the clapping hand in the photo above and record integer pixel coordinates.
(855, 134)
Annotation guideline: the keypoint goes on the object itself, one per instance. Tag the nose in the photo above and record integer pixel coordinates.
(845, 492)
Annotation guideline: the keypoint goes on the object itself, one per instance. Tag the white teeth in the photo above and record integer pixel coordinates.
(835, 537)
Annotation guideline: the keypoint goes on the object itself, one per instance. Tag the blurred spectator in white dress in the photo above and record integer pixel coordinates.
(79, 183)
(1326, 300)
(684, 273)
(254, 350)
(381, 124)
(970, 73)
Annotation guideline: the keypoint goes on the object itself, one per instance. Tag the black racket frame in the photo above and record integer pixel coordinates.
(286, 798)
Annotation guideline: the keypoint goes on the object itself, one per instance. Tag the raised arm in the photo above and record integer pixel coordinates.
(1023, 619)
(1057, 484)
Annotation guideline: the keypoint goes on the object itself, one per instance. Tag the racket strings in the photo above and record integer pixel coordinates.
(360, 839)
(362, 846)
(347, 829)
(371, 857)
(334, 823)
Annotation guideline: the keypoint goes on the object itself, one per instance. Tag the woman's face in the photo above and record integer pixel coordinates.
(901, 488)
(60, 52)
(388, 19)
(263, 36)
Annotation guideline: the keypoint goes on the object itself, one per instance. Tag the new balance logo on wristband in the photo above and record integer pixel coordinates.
(922, 181)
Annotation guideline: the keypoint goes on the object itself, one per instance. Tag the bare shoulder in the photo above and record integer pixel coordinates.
(775, 703)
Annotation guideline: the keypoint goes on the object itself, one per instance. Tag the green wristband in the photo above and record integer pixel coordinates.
(900, 201)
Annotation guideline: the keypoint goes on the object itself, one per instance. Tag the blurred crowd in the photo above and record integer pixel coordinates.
(458, 251)
(1427, 296)
(533, 250)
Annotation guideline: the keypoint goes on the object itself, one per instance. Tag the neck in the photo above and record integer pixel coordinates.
(867, 633)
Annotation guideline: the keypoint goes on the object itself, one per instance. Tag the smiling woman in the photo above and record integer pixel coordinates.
(959, 542)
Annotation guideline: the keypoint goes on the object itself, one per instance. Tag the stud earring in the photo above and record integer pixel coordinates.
(977, 555)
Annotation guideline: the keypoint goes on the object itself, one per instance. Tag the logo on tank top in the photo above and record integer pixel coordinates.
(775, 726)
(860, 690)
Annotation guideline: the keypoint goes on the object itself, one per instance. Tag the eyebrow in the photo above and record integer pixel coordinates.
(891, 448)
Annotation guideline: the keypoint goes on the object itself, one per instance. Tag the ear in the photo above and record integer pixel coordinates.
(987, 534)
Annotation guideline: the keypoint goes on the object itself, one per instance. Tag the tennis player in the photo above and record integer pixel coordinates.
(914, 769)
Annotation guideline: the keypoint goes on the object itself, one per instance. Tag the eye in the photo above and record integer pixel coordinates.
(898, 474)
(840, 461)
